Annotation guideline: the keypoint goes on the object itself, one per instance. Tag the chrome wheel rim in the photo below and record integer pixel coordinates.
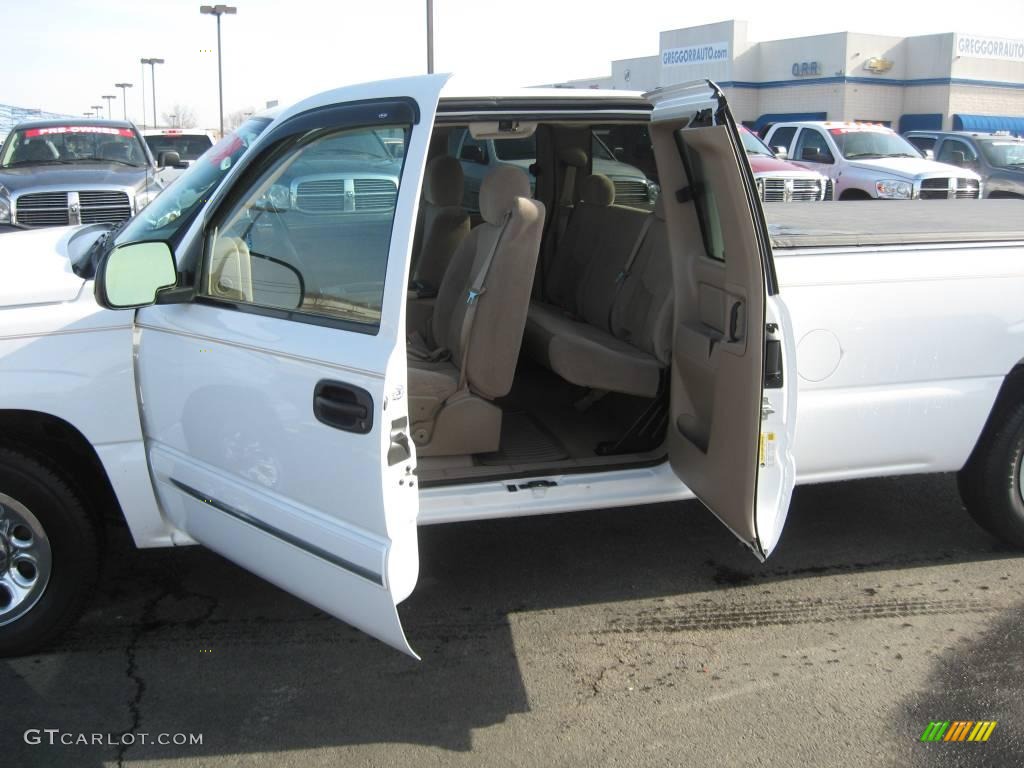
(1020, 475)
(26, 560)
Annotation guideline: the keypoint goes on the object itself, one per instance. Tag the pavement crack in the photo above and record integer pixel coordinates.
(146, 623)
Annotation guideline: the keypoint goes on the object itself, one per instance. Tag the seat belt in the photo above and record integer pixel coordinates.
(477, 289)
(627, 268)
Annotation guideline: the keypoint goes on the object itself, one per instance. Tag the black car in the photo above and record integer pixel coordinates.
(998, 158)
(61, 172)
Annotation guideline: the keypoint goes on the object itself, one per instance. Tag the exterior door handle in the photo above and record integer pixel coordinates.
(343, 406)
(737, 321)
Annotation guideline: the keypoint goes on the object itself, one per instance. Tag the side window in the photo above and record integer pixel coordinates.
(956, 152)
(473, 150)
(922, 142)
(705, 202)
(312, 233)
(811, 147)
(783, 137)
(624, 154)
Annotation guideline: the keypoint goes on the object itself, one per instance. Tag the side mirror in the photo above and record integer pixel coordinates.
(958, 158)
(168, 158)
(473, 153)
(782, 153)
(132, 275)
(929, 154)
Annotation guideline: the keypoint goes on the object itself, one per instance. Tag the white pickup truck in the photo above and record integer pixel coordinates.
(242, 365)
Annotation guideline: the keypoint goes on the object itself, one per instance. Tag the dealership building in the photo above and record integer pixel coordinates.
(945, 81)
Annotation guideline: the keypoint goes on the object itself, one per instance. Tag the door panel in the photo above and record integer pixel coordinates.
(739, 466)
(272, 403)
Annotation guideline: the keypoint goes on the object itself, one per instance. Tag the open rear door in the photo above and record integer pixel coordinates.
(733, 410)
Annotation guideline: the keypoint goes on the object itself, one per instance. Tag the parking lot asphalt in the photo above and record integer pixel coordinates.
(633, 637)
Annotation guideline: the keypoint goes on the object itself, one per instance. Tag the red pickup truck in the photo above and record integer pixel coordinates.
(779, 181)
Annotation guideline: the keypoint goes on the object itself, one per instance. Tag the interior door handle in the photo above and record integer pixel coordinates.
(343, 406)
(737, 321)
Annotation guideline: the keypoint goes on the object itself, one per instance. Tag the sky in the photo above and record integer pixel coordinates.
(72, 51)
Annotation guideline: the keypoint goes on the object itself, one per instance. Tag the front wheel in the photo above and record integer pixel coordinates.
(992, 483)
(48, 554)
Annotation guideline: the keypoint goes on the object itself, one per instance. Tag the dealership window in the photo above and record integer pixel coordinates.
(313, 233)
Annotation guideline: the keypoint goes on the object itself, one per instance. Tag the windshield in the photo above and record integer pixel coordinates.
(754, 145)
(162, 218)
(188, 146)
(1003, 153)
(854, 144)
(69, 144)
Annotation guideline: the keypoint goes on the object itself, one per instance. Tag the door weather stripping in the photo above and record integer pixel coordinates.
(277, 533)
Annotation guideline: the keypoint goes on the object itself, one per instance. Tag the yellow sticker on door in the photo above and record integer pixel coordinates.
(766, 449)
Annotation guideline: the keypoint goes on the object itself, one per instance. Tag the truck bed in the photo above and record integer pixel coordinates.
(894, 222)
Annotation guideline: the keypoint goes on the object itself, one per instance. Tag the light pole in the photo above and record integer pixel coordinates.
(96, 109)
(430, 37)
(143, 82)
(124, 97)
(218, 11)
(109, 99)
(152, 70)
(174, 120)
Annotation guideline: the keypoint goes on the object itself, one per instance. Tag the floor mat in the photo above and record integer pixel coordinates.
(523, 441)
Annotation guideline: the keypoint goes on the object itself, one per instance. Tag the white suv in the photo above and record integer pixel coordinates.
(867, 160)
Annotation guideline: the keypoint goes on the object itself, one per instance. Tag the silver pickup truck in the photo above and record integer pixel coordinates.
(61, 172)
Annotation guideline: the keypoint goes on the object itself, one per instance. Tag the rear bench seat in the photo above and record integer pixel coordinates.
(607, 322)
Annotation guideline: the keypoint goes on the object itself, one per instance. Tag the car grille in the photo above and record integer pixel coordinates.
(342, 195)
(939, 189)
(967, 189)
(54, 209)
(631, 192)
(104, 207)
(787, 190)
(375, 194)
(43, 209)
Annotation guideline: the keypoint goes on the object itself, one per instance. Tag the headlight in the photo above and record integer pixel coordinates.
(890, 189)
(653, 190)
(759, 183)
(144, 198)
(5, 205)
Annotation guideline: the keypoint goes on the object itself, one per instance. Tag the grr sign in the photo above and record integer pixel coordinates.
(989, 48)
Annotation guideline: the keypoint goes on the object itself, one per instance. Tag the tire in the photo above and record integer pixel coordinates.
(49, 554)
(991, 485)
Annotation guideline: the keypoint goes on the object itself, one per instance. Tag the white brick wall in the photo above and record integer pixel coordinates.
(975, 100)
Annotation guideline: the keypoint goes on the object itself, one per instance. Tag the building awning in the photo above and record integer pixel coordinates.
(989, 123)
(786, 117)
(931, 121)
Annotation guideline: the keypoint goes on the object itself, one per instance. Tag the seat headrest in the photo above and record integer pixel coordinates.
(444, 180)
(659, 208)
(573, 156)
(597, 190)
(499, 190)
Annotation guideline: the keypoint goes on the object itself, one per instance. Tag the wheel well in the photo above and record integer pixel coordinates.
(854, 194)
(1000, 195)
(58, 444)
(1011, 392)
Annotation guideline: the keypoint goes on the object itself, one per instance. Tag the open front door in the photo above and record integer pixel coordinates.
(274, 403)
(730, 433)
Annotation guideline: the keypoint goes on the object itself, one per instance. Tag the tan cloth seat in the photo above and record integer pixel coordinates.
(621, 340)
(444, 223)
(449, 397)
